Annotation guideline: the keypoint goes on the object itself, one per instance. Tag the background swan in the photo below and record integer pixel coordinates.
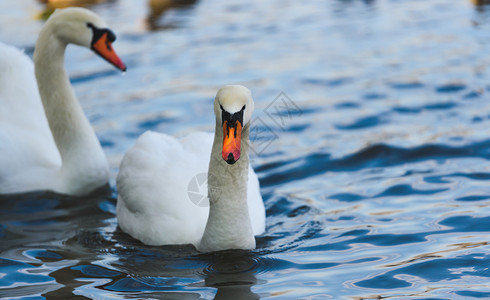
(153, 183)
(46, 142)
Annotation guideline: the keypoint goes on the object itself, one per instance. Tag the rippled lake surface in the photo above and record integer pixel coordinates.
(372, 148)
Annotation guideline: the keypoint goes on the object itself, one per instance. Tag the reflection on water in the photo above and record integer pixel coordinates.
(157, 9)
(377, 189)
(480, 2)
(51, 5)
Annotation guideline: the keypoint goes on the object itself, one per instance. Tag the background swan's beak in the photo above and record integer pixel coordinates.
(232, 136)
(103, 47)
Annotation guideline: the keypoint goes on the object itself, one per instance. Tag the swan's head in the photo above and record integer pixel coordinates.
(233, 107)
(82, 27)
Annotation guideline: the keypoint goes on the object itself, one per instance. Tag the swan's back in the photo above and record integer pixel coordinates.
(22, 122)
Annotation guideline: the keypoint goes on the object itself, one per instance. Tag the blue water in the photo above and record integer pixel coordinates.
(371, 144)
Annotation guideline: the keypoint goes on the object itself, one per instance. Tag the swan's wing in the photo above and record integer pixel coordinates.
(154, 182)
(255, 203)
(25, 137)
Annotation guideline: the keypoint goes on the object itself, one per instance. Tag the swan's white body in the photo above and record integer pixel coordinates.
(46, 142)
(25, 136)
(157, 182)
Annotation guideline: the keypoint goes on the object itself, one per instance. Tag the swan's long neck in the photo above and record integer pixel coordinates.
(228, 225)
(83, 160)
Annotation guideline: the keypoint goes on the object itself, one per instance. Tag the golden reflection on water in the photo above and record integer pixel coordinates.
(438, 254)
(157, 9)
(480, 2)
(51, 5)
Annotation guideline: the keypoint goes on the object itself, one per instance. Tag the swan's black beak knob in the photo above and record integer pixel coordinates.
(230, 160)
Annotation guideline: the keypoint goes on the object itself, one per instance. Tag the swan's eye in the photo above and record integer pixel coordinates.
(243, 108)
(99, 32)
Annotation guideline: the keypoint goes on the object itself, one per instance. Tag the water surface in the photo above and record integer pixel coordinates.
(375, 177)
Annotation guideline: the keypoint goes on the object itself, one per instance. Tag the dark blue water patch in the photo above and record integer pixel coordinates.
(27, 204)
(363, 236)
(298, 211)
(429, 107)
(440, 106)
(107, 206)
(407, 110)
(405, 190)
(384, 281)
(93, 76)
(285, 233)
(89, 240)
(279, 206)
(281, 236)
(374, 96)
(131, 285)
(34, 223)
(105, 143)
(472, 95)
(374, 156)
(16, 271)
(132, 134)
(367, 122)
(346, 218)
(445, 178)
(334, 82)
(409, 173)
(472, 176)
(457, 138)
(473, 198)
(149, 124)
(459, 224)
(297, 128)
(306, 110)
(406, 85)
(28, 50)
(356, 232)
(311, 229)
(347, 197)
(434, 270)
(96, 271)
(467, 224)
(439, 179)
(473, 294)
(386, 240)
(346, 105)
(477, 120)
(450, 88)
(272, 165)
(44, 255)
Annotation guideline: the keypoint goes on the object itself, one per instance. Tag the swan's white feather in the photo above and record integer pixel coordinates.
(25, 137)
(154, 177)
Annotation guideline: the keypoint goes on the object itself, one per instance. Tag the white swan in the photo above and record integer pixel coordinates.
(157, 178)
(46, 142)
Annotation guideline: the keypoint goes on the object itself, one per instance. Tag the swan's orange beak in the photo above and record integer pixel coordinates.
(103, 47)
(232, 137)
